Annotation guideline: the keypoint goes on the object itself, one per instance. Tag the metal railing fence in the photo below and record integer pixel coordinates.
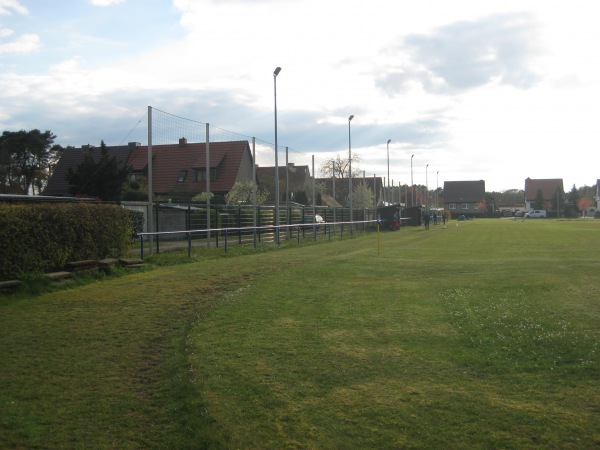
(252, 235)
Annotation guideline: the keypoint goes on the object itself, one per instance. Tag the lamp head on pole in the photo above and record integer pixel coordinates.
(276, 72)
(350, 118)
(389, 140)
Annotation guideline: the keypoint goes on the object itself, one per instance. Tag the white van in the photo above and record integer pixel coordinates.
(536, 213)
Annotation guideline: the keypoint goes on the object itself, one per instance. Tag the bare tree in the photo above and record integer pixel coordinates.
(337, 166)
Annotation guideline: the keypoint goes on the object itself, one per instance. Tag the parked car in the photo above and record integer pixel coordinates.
(519, 214)
(536, 213)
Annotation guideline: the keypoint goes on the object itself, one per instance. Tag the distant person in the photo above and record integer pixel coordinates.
(435, 222)
(426, 220)
(444, 218)
(396, 223)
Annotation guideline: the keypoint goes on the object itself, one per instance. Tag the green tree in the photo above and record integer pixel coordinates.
(26, 160)
(538, 203)
(491, 203)
(104, 178)
(558, 202)
(571, 202)
(134, 190)
(201, 197)
(242, 192)
(510, 197)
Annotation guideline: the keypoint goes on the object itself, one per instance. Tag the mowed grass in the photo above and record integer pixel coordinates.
(481, 335)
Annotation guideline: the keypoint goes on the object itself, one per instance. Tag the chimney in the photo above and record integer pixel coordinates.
(133, 145)
(182, 141)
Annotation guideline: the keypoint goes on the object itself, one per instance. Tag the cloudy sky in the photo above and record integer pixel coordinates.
(492, 90)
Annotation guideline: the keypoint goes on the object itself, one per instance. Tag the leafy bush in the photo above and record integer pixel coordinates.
(137, 222)
(43, 237)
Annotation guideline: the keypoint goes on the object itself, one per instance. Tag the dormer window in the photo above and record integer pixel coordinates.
(200, 175)
(182, 176)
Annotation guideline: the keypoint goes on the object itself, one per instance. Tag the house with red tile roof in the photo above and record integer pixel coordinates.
(547, 186)
(178, 170)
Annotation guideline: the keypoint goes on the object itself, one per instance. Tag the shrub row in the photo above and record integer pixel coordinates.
(44, 237)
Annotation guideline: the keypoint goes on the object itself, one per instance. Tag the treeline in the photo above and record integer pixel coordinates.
(26, 160)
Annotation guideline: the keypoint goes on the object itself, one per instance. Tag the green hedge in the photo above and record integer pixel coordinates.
(43, 237)
(137, 222)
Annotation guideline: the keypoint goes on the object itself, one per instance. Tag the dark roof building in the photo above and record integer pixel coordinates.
(298, 182)
(463, 197)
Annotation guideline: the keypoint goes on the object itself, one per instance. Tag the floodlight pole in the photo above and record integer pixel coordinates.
(437, 189)
(388, 178)
(412, 184)
(150, 218)
(350, 171)
(275, 73)
(426, 189)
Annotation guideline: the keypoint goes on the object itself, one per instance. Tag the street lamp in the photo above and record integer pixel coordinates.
(426, 189)
(275, 73)
(437, 189)
(412, 185)
(350, 170)
(388, 158)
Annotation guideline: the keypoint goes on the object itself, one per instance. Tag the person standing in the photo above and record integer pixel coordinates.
(426, 220)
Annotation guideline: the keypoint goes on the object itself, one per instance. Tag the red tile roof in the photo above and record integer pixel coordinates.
(230, 159)
(547, 186)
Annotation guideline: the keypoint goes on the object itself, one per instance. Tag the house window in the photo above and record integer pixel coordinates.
(452, 206)
(182, 176)
(137, 176)
(200, 175)
(465, 206)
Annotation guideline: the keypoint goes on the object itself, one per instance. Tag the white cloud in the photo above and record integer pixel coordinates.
(7, 5)
(105, 2)
(467, 54)
(475, 89)
(26, 43)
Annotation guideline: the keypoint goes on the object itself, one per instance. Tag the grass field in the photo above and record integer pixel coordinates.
(481, 335)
